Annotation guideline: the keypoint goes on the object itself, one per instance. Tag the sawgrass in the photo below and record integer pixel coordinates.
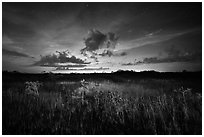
(105, 108)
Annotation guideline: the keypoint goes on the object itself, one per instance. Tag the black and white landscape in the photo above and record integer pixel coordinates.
(101, 68)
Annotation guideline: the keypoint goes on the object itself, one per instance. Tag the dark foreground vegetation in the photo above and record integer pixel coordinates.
(117, 103)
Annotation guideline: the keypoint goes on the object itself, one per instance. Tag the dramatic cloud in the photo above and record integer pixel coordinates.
(15, 53)
(99, 44)
(144, 30)
(97, 40)
(60, 59)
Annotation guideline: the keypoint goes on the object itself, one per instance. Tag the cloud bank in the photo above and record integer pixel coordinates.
(173, 55)
(81, 69)
(61, 59)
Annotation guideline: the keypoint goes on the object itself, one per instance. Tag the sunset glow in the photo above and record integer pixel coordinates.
(101, 37)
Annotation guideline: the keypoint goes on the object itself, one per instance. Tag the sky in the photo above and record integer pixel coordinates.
(101, 37)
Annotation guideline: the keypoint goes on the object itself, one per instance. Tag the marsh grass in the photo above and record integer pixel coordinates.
(107, 108)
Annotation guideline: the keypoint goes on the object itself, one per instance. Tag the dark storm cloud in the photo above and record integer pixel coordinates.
(100, 45)
(96, 40)
(61, 57)
(15, 53)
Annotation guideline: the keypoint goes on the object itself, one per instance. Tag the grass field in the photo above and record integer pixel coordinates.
(145, 106)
